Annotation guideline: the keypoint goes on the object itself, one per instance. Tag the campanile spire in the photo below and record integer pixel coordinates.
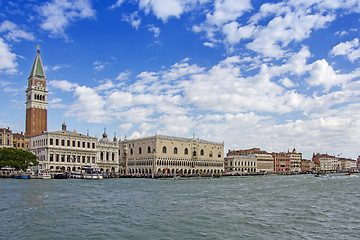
(36, 99)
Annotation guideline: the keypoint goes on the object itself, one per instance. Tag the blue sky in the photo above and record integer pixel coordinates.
(268, 74)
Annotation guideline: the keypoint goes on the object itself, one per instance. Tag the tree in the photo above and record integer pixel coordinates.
(16, 158)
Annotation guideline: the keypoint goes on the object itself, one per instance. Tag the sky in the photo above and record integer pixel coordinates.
(276, 75)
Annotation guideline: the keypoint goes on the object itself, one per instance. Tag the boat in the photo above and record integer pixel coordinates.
(87, 172)
(349, 175)
(320, 175)
(44, 175)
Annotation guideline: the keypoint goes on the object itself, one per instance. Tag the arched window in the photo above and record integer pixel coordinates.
(140, 150)
(202, 152)
(164, 149)
(194, 153)
(131, 151)
(210, 154)
(101, 156)
(149, 149)
(113, 156)
(175, 150)
(186, 151)
(219, 155)
(107, 156)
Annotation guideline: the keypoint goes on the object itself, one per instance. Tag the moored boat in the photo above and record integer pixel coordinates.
(87, 172)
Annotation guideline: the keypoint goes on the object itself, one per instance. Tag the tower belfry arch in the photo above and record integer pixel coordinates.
(36, 99)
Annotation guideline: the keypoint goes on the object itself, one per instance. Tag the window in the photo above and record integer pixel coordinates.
(149, 149)
(202, 152)
(140, 150)
(93, 145)
(57, 142)
(219, 155)
(194, 153)
(131, 151)
(210, 154)
(88, 145)
(83, 144)
(175, 150)
(164, 149)
(186, 151)
(51, 157)
(113, 156)
(51, 141)
(62, 142)
(73, 144)
(78, 143)
(68, 143)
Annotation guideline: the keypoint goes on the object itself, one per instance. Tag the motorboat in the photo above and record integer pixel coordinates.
(87, 172)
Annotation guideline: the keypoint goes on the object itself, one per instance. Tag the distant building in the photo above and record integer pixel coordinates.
(307, 165)
(240, 164)
(347, 164)
(21, 142)
(158, 155)
(6, 138)
(295, 160)
(281, 162)
(107, 154)
(264, 161)
(326, 163)
(9, 139)
(64, 150)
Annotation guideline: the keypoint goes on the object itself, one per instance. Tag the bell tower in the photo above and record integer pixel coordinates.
(36, 99)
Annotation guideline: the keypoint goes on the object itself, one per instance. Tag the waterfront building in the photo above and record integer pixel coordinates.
(264, 161)
(36, 99)
(239, 164)
(6, 138)
(295, 160)
(326, 163)
(281, 162)
(307, 165)
(64, 150)
(358, 163)
(165, 155)
(347, 164)
(107, 154)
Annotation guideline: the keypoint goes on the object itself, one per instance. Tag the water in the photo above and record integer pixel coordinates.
(271, 207)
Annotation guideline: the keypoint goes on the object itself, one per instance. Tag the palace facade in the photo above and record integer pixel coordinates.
(163, 155)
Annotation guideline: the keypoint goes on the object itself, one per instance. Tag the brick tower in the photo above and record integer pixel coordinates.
(36, 99)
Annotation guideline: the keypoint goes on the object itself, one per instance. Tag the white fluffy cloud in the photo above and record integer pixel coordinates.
(351, 49)
(58, 14)
(7, 59)
(14, 33)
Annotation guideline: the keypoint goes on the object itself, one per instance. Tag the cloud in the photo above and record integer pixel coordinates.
(351, 49)
(117, 4)
(59, 14)
(323, 74)
(155, 30)
(227, 10)
(123, 76)
(88, 106)
(63, 85)
(14, 33)
(133, 19)
(7, 59)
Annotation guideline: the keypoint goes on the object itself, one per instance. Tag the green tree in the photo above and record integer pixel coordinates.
(16, 158)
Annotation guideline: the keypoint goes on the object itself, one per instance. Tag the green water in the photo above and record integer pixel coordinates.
(271, 207)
